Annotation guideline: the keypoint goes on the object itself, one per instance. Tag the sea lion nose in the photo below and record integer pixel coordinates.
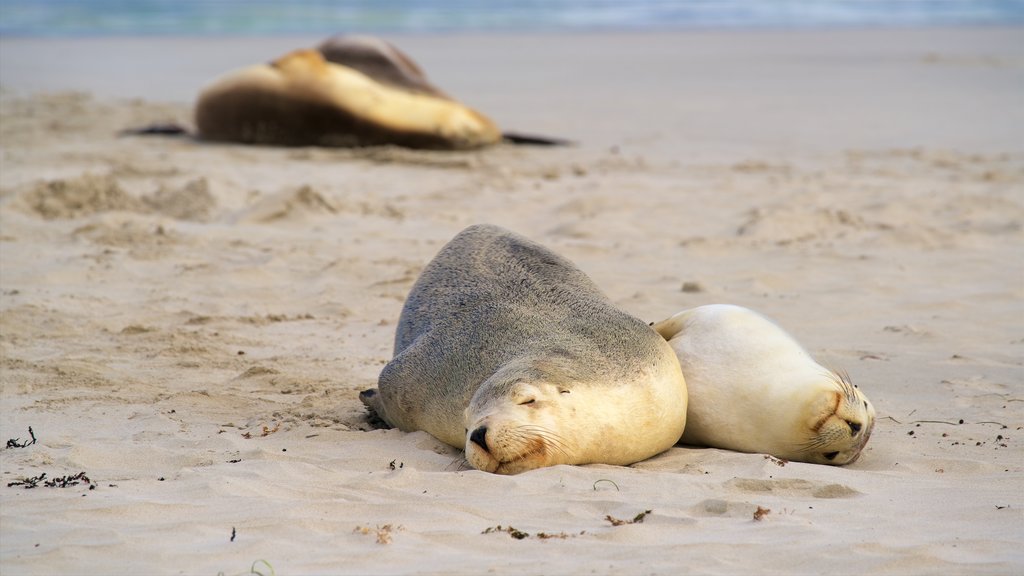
(479, 437)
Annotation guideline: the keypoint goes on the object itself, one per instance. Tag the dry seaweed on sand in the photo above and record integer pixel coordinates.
(760, 513)
(28, 482)
(59, 482)
(383, 532)
(517, 534)
(520, 535)
(18, 443)
(70, 480)
(638, 519)
(267, 431)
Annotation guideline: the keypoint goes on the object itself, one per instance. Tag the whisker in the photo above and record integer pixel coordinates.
(841, 378)
(527, 436)
(458, 464)
(550, 438)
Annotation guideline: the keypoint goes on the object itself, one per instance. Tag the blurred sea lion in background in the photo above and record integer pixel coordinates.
(349, 91)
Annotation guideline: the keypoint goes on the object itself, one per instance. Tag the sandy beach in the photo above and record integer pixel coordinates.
(189, 324)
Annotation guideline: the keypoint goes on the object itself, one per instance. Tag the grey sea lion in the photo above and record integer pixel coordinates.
(508, 351)
(753, 388)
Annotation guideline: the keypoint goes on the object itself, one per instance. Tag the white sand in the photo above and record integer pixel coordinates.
(162, 299)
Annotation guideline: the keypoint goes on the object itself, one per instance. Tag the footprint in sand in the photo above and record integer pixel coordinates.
(792, 487)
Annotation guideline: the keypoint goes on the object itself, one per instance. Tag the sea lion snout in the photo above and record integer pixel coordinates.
(479, 437)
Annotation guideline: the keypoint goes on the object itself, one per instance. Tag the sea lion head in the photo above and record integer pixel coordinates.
(515, 421)
(840, 425)
(564, 408)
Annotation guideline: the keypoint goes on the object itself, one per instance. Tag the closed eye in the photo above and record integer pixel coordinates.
(525, 402)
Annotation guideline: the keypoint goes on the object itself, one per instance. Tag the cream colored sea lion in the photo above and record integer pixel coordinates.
(753, 388)
(302, 99)
(508, 351)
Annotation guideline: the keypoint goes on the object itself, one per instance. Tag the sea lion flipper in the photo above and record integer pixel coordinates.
(371, 399)
(156, 129)
(404, 387)
(534, 140)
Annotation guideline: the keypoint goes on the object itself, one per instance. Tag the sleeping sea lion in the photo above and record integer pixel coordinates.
(753, 388)
(508, 351)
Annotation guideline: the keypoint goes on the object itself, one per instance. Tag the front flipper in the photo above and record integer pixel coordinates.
(371, 399)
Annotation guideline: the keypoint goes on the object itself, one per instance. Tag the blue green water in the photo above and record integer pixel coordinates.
(264, 17)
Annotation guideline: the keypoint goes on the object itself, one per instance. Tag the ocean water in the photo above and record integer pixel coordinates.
(265, 17)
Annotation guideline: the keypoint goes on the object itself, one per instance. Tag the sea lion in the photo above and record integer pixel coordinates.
(508, 351)
(753, 388)
(385, 63)
(349, 91)
(380, 60)
(301, 99)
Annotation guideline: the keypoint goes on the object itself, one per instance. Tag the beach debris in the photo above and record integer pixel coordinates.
(392, 466)
(383, 532)
(608, 481)
(267, 431)
(760, 513)
(559, 535)
(59, 482)
(233, 533)
(777, 461)
(71, 480)
(18, 443)
(517, 534)
(638, 519)
(520, 535)
(28, 482)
